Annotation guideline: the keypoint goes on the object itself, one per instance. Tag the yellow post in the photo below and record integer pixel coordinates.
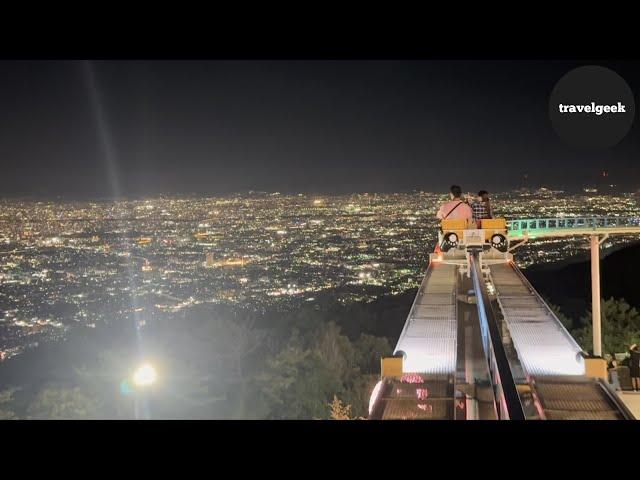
(391, 367)
(596, 367)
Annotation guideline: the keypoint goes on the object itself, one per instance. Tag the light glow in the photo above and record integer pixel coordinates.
(411, 378)
(422, 393)
(374, 395)
(145, 375)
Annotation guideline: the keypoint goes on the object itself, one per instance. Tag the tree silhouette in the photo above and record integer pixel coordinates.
(6, 400)
(620, 327)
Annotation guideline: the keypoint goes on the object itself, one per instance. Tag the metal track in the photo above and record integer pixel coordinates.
(543, 344)
(546, 359)
(502, 378)
(428, 339)
(549, 354)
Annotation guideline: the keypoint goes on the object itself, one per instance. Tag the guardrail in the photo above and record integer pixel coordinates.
(540, 225)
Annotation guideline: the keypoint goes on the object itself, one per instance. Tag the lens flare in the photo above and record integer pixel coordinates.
(145, 375)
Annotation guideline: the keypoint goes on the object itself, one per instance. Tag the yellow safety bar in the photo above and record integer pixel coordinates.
(391, 367)
(457, 226)
(492, 226)
(489, 225)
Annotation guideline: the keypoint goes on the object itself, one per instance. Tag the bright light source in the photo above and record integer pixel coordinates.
(145, 375)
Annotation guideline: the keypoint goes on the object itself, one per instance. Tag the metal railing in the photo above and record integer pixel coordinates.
(569, 223)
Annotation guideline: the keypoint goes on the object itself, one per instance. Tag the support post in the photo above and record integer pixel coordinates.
(595, 295)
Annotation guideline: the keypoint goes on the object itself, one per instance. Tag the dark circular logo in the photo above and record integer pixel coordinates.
(592, 107)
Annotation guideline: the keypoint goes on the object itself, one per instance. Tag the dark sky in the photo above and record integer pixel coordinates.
(76, 128)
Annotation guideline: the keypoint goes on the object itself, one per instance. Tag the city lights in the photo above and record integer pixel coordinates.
(64, 265)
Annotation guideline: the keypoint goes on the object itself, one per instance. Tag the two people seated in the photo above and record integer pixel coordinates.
(459, 208)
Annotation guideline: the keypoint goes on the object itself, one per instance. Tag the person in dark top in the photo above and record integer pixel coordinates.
(481, 207)
(634, 366)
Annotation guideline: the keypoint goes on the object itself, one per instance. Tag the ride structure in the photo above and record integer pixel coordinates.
(480, 343)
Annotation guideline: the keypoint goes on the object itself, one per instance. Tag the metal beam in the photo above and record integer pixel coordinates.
(569, 232)
(500, 371)
(524, 240)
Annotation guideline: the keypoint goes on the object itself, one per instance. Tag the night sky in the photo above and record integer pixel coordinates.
(105, 128)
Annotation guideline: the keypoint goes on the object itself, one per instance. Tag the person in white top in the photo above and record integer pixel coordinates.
(456, 209)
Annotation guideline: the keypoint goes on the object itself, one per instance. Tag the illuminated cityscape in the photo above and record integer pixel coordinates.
(269, 238)
(86, 263)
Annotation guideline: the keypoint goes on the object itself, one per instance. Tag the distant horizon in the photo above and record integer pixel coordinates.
(445, 191)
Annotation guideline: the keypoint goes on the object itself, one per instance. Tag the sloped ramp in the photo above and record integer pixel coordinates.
(543, 344)
(429, 335)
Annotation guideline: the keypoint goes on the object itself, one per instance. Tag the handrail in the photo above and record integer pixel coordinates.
(500, 371)
(572, 222)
